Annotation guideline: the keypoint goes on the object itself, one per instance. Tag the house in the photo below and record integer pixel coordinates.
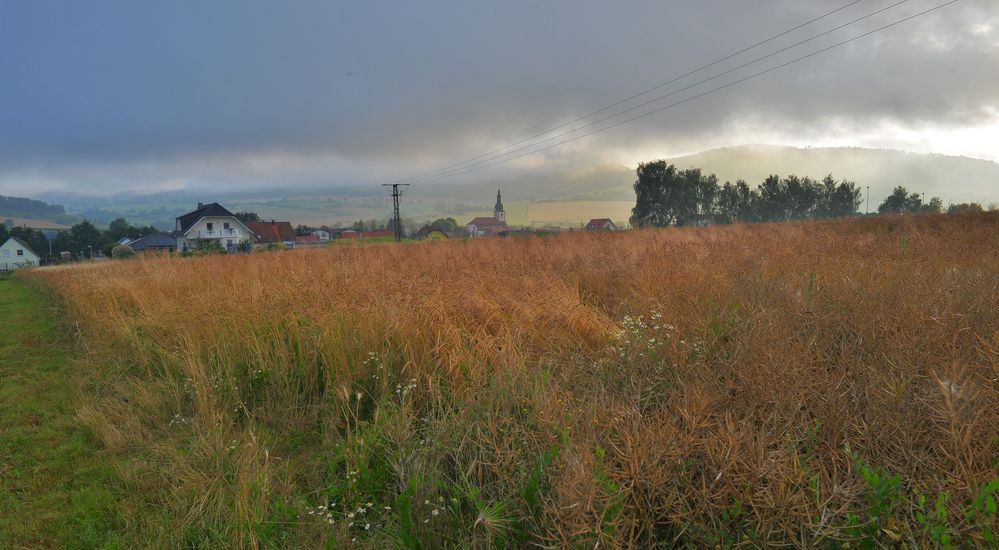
(14, 254)
(126, 240)
(430, 233)
(321, 234)
(209, 226)
(349, 234)
(154, 242)
(307, 240)
(487, 227)
(601, 224)
(272, 232)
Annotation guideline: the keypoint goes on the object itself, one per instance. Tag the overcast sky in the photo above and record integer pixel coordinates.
(122, 96)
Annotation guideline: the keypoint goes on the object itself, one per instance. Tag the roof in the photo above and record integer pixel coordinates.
(153, 241)
(23, 245)
(486, 222)
(272, 231)
(599, 222)
(211, 209)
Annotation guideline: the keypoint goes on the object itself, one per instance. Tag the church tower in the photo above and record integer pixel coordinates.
(498, 211)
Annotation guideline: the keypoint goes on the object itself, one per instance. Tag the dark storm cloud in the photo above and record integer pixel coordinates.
(160, 93)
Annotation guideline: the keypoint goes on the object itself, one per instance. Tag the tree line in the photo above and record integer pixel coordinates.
(666, 195)
(82, 239)
(28, 208)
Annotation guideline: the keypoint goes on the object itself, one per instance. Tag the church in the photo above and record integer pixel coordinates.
(488, 227)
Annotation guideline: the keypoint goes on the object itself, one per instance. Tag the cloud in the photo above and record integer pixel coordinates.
(142, 96)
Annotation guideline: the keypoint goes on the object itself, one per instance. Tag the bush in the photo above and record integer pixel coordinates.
(122, 252)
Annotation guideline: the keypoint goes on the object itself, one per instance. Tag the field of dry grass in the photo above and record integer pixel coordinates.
(801, 384)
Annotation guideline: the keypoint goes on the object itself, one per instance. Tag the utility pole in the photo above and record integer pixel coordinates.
(396, 193)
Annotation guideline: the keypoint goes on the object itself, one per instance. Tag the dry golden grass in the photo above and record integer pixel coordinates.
(681, 387)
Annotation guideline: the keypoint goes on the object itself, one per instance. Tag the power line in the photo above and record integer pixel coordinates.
(675, 92)
(702, 94)
(639, 94)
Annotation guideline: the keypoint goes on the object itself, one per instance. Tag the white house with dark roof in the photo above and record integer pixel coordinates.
(15, 254)
(211, 224)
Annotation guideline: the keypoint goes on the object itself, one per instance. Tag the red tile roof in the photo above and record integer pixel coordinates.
(481, 223)
(272, 231)
(599, 223)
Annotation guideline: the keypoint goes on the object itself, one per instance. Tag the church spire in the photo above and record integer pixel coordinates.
(498, 211)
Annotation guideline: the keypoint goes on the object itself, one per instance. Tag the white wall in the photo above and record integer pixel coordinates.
(10, 260)
(237, 233)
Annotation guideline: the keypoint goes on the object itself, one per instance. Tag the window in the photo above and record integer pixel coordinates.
(209, 226)
(6, 254)
(225, 225)
(20, 252)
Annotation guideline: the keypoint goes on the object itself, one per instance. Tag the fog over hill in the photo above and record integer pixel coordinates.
(953, 179)
(550, 196)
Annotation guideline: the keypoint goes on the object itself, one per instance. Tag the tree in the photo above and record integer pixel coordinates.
(965, 208)
(120, 228)
(935, 206)
(901, 201)
(81, 238)
(447, 225)
(838, 199)
(773, 200)
(667, 196)
(246, 216)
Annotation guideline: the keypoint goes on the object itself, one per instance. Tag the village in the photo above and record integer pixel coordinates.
(212, 228)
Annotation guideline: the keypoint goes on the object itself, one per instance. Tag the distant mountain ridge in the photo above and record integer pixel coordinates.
(566, 196)
(32, 212)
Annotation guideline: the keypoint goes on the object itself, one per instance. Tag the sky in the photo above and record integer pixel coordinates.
(112, 97)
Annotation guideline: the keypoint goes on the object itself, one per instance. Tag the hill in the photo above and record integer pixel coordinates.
(570, 197)
(953, 179)
(33, 213)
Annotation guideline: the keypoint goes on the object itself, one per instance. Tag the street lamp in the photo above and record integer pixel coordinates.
(867, 209)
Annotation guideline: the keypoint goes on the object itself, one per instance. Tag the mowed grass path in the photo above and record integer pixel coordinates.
(56, 488)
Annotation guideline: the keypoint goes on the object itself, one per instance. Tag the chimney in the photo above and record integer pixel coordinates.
(201, 205)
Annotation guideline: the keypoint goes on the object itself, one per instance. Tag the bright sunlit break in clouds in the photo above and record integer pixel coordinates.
(109, 97)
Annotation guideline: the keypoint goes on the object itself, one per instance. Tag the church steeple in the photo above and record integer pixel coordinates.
(498, 211)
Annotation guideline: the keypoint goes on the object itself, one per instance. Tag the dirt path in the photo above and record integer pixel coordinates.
(57, 490)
